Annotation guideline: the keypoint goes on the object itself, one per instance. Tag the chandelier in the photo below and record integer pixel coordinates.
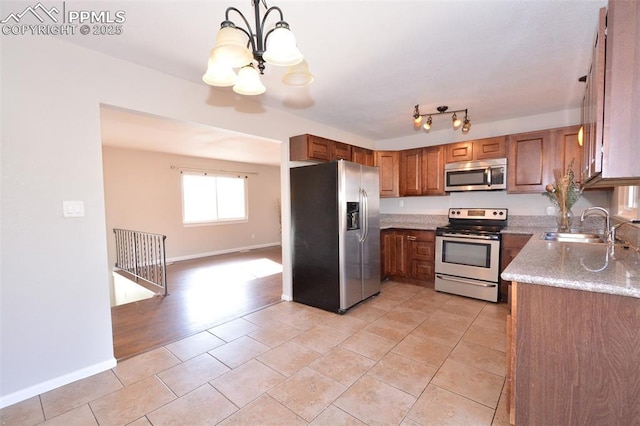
(455, 121)
(240, 48)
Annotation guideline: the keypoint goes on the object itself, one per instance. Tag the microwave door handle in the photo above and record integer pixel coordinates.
(488, 172)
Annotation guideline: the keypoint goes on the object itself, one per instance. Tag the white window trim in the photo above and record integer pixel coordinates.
(621, 203)
(220, 221)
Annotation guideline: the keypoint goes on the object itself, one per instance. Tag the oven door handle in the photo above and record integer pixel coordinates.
(462, 280)
(475, 237)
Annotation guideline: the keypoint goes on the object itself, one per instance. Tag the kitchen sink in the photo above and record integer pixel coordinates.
(571, 237)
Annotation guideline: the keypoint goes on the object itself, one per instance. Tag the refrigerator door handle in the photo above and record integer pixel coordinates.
(365, 214)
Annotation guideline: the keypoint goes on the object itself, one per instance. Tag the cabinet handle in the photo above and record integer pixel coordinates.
(411, 237)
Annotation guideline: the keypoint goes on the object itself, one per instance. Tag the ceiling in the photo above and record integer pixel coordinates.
(372, 60)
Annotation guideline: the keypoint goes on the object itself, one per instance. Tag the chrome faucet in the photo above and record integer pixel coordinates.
(607, 224)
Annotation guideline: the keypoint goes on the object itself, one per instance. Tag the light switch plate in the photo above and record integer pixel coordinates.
(73, 208)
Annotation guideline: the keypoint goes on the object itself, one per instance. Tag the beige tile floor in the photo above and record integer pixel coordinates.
(410, 356)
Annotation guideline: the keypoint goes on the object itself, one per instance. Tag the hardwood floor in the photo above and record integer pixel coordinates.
(203, 293)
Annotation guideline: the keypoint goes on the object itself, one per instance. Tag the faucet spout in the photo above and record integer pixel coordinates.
(604, 213)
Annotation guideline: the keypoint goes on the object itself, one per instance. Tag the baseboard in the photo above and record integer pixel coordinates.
(43, 387)
(225, 251)
(286, 298)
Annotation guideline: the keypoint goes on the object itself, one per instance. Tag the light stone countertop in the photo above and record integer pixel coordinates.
(580, 266)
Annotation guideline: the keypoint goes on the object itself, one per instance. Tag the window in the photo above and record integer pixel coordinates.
(213, 199)
(627, 201)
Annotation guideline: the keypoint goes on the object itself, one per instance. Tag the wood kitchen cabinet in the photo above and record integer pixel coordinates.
(362, 156)
(572, 357)
(530, 161)
(510, 247)
(432, 170)
(310, 147)
(340, 151)
(610, 120)
(481, 149)
(422, 171)
(408, 256)
(568, 149)
(410, 172)
(388, 163)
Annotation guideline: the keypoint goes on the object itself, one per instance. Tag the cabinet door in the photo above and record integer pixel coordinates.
(362, 156)
(593, 104)
(569, 150)
(410, 172)
(433, 170)
(398, 264)
(388, 163)
(421, 255)
(309, 147)
(459, 151)
(484, 149)
(622, 93)
(530, 162)
(340, 151)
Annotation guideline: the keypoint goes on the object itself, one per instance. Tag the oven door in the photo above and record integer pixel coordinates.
(470, 256)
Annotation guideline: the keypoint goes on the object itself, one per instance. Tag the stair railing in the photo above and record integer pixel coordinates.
(142, 255)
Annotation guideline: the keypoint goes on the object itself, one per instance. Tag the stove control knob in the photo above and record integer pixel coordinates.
(495, 212)
(501, 213)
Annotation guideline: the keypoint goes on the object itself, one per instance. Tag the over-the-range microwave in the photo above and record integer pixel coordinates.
(481, 175)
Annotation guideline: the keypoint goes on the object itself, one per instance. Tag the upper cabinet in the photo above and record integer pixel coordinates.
(362, 156)
(609, 121)
(410, 172)
(433, 170)
(534, 158)
(315, 148)
(569, 150)
(388, 163)
(530, 161)
(422, 171)
(480, 149)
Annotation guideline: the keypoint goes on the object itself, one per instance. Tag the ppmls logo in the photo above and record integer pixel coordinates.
(57, 20)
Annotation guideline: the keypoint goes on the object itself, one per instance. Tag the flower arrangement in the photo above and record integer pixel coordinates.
(564, 193)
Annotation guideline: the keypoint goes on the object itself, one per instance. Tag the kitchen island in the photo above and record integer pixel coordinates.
(573, 341)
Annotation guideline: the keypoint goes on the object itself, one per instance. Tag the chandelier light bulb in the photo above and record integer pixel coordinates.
(456, 121)
(427, 125)
(249, 82)
(281, 47)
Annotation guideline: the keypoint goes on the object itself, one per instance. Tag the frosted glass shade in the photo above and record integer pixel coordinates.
(249, 82)
(231, 48)
(281, 48)
(298, 75)
(219, 75)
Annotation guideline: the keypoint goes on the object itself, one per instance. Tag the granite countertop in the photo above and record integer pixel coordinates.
(598, 268)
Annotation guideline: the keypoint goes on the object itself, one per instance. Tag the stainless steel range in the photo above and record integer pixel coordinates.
(468, 253)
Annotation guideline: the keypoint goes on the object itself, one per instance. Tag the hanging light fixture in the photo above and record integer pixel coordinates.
(238, 47)
(455, 121)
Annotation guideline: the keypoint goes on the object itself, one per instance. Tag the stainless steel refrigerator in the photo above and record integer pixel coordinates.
(335, 234)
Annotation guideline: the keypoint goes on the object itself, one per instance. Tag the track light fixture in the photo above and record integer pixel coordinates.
(455, 121)
(237, 47)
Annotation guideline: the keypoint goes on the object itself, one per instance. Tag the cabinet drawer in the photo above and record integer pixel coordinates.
(422, 250)
(422, 270)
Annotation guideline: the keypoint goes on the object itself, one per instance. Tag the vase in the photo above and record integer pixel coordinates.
(565, 219)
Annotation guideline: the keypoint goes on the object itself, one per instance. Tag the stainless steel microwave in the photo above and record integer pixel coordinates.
(482, 175)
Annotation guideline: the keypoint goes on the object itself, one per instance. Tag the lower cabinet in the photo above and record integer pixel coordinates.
(408, 256)
(572, 357)
(511, 246)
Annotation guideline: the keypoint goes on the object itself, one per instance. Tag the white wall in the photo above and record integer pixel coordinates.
(154, 203)
(54, 270)
(518, 204)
